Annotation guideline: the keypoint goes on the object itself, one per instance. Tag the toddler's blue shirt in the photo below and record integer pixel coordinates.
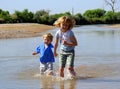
(46, 55)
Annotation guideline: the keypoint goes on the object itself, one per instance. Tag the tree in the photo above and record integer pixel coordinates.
(5, 16)
(110, 17)
(41, 16)
(27, 16)
(112, 4)
(79, 19)
(94, 16)
(96, 13)
(18, 16)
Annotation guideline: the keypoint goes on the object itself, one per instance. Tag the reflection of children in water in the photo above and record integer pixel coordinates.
(51, 84)
(71, 84)
(47, 83)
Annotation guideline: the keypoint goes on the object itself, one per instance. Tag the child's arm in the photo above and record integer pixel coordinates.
(34, 53)
(55, 47)
(73, 43)
(37, 51)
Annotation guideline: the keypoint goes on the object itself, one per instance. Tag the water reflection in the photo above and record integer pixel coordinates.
(50, 82)
(68, 85)
(98, 41)
(46, 83)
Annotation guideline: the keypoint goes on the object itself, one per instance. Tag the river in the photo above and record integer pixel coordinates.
(97, 61)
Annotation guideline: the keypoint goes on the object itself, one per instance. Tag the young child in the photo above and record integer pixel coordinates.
(68, 42)
(46, 55)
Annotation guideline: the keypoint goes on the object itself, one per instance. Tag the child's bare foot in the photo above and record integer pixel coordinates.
(71, 74)
(61, 71)
(51, 73)
(61, 74)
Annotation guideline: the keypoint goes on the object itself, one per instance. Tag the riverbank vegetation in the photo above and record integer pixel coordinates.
(95, 16)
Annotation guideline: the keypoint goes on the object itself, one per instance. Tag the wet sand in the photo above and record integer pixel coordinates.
(22, 30)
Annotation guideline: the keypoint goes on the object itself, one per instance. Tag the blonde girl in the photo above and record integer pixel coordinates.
(68, 42)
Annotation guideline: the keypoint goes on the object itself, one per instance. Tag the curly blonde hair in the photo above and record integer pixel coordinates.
(65, 19)
(49, 35)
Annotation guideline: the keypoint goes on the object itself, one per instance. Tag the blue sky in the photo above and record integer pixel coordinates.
(55, 6)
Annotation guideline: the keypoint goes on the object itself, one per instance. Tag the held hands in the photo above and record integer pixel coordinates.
(55, 54)
(64, 42)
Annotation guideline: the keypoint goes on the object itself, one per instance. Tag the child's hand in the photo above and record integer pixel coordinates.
(64, 42)
(55, 54)
(34, 53)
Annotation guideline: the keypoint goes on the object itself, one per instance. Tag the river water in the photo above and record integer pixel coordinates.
(97, 61)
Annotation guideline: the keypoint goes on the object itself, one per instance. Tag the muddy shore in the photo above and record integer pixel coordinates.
(23, 30)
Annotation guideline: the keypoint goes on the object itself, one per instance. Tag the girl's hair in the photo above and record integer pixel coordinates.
(65, 19)
(49, 35)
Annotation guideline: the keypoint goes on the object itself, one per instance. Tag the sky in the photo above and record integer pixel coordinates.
(55, 6)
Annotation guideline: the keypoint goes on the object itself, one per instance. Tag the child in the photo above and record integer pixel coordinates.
(67, 44)
(46, 55)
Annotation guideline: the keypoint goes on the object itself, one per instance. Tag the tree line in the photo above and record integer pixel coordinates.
(95, 16)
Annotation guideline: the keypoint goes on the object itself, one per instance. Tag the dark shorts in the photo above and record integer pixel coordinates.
(66, 57)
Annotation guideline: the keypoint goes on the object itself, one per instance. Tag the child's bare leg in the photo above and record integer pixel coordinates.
(61, 71)
(50, 72)
(71, 71)
(49, 68)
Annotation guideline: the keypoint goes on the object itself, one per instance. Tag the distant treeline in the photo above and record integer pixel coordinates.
(95, 16)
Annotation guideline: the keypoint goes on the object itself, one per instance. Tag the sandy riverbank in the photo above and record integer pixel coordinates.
(22, 30)
(114, 26)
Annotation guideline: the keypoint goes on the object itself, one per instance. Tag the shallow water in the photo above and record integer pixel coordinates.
(97, 61)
